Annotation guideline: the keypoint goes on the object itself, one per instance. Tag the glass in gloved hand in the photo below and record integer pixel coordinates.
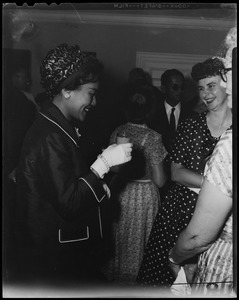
(122, 138)
(115, 154)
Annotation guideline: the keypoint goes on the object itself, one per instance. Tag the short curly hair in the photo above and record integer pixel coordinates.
(210, 67)
(68, 67)
(139, 103)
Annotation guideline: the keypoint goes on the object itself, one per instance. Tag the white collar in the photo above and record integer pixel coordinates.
(168, 107)
(60, 128)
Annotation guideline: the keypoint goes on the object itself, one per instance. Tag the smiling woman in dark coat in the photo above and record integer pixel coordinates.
(60, 226)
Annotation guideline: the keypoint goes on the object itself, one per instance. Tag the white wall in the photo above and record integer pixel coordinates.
(116, 38)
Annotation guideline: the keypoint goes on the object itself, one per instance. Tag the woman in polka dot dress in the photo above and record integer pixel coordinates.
(195, 140)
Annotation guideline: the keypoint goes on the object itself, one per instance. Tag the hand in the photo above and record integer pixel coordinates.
(106, 188)
(118, 154)
(190, 270)
(112, 156)
(175, 268)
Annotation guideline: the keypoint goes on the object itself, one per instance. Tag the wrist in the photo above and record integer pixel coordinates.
(95, 172)
(202, 181)
(105, 161)
(171, 260)
(100, 167)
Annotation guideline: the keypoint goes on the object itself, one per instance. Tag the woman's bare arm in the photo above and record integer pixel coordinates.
(211, 212)
(185, 176)
(159, 174)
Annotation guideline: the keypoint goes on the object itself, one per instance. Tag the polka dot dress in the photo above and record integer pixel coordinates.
(194, 143)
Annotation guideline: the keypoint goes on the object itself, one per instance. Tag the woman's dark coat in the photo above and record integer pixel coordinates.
(60, 202)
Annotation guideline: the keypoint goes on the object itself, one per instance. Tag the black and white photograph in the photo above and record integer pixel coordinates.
(119, 150)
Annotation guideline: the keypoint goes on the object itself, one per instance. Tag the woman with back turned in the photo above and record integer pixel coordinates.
(135, 187)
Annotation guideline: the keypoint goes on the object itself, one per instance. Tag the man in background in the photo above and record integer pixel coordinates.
(170, 110)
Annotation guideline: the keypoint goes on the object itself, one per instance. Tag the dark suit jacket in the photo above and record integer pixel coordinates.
(160, 123)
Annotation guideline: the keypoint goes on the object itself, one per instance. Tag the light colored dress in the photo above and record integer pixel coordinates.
(214, 275)
(136, 202)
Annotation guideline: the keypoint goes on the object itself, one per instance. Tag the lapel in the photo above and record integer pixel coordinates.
(163, 115)
(55, 116)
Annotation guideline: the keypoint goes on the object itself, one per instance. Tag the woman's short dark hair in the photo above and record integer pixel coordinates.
(139, 104)
(210, 67)
(137, 76)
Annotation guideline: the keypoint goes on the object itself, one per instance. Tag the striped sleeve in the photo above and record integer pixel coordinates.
(219, 168)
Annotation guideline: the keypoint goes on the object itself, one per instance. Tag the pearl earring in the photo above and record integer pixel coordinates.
(67, 96)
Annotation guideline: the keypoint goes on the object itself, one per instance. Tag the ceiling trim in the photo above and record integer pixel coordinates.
(101, 18)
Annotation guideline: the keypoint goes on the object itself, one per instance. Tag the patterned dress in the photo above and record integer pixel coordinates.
(214, 275)
(193, 144)
(136, 202)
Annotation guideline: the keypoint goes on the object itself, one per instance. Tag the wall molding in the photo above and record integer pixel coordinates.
(156, 63)
(103, 18)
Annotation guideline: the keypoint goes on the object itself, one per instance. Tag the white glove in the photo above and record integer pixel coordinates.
(118, 154)
(112, 156)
